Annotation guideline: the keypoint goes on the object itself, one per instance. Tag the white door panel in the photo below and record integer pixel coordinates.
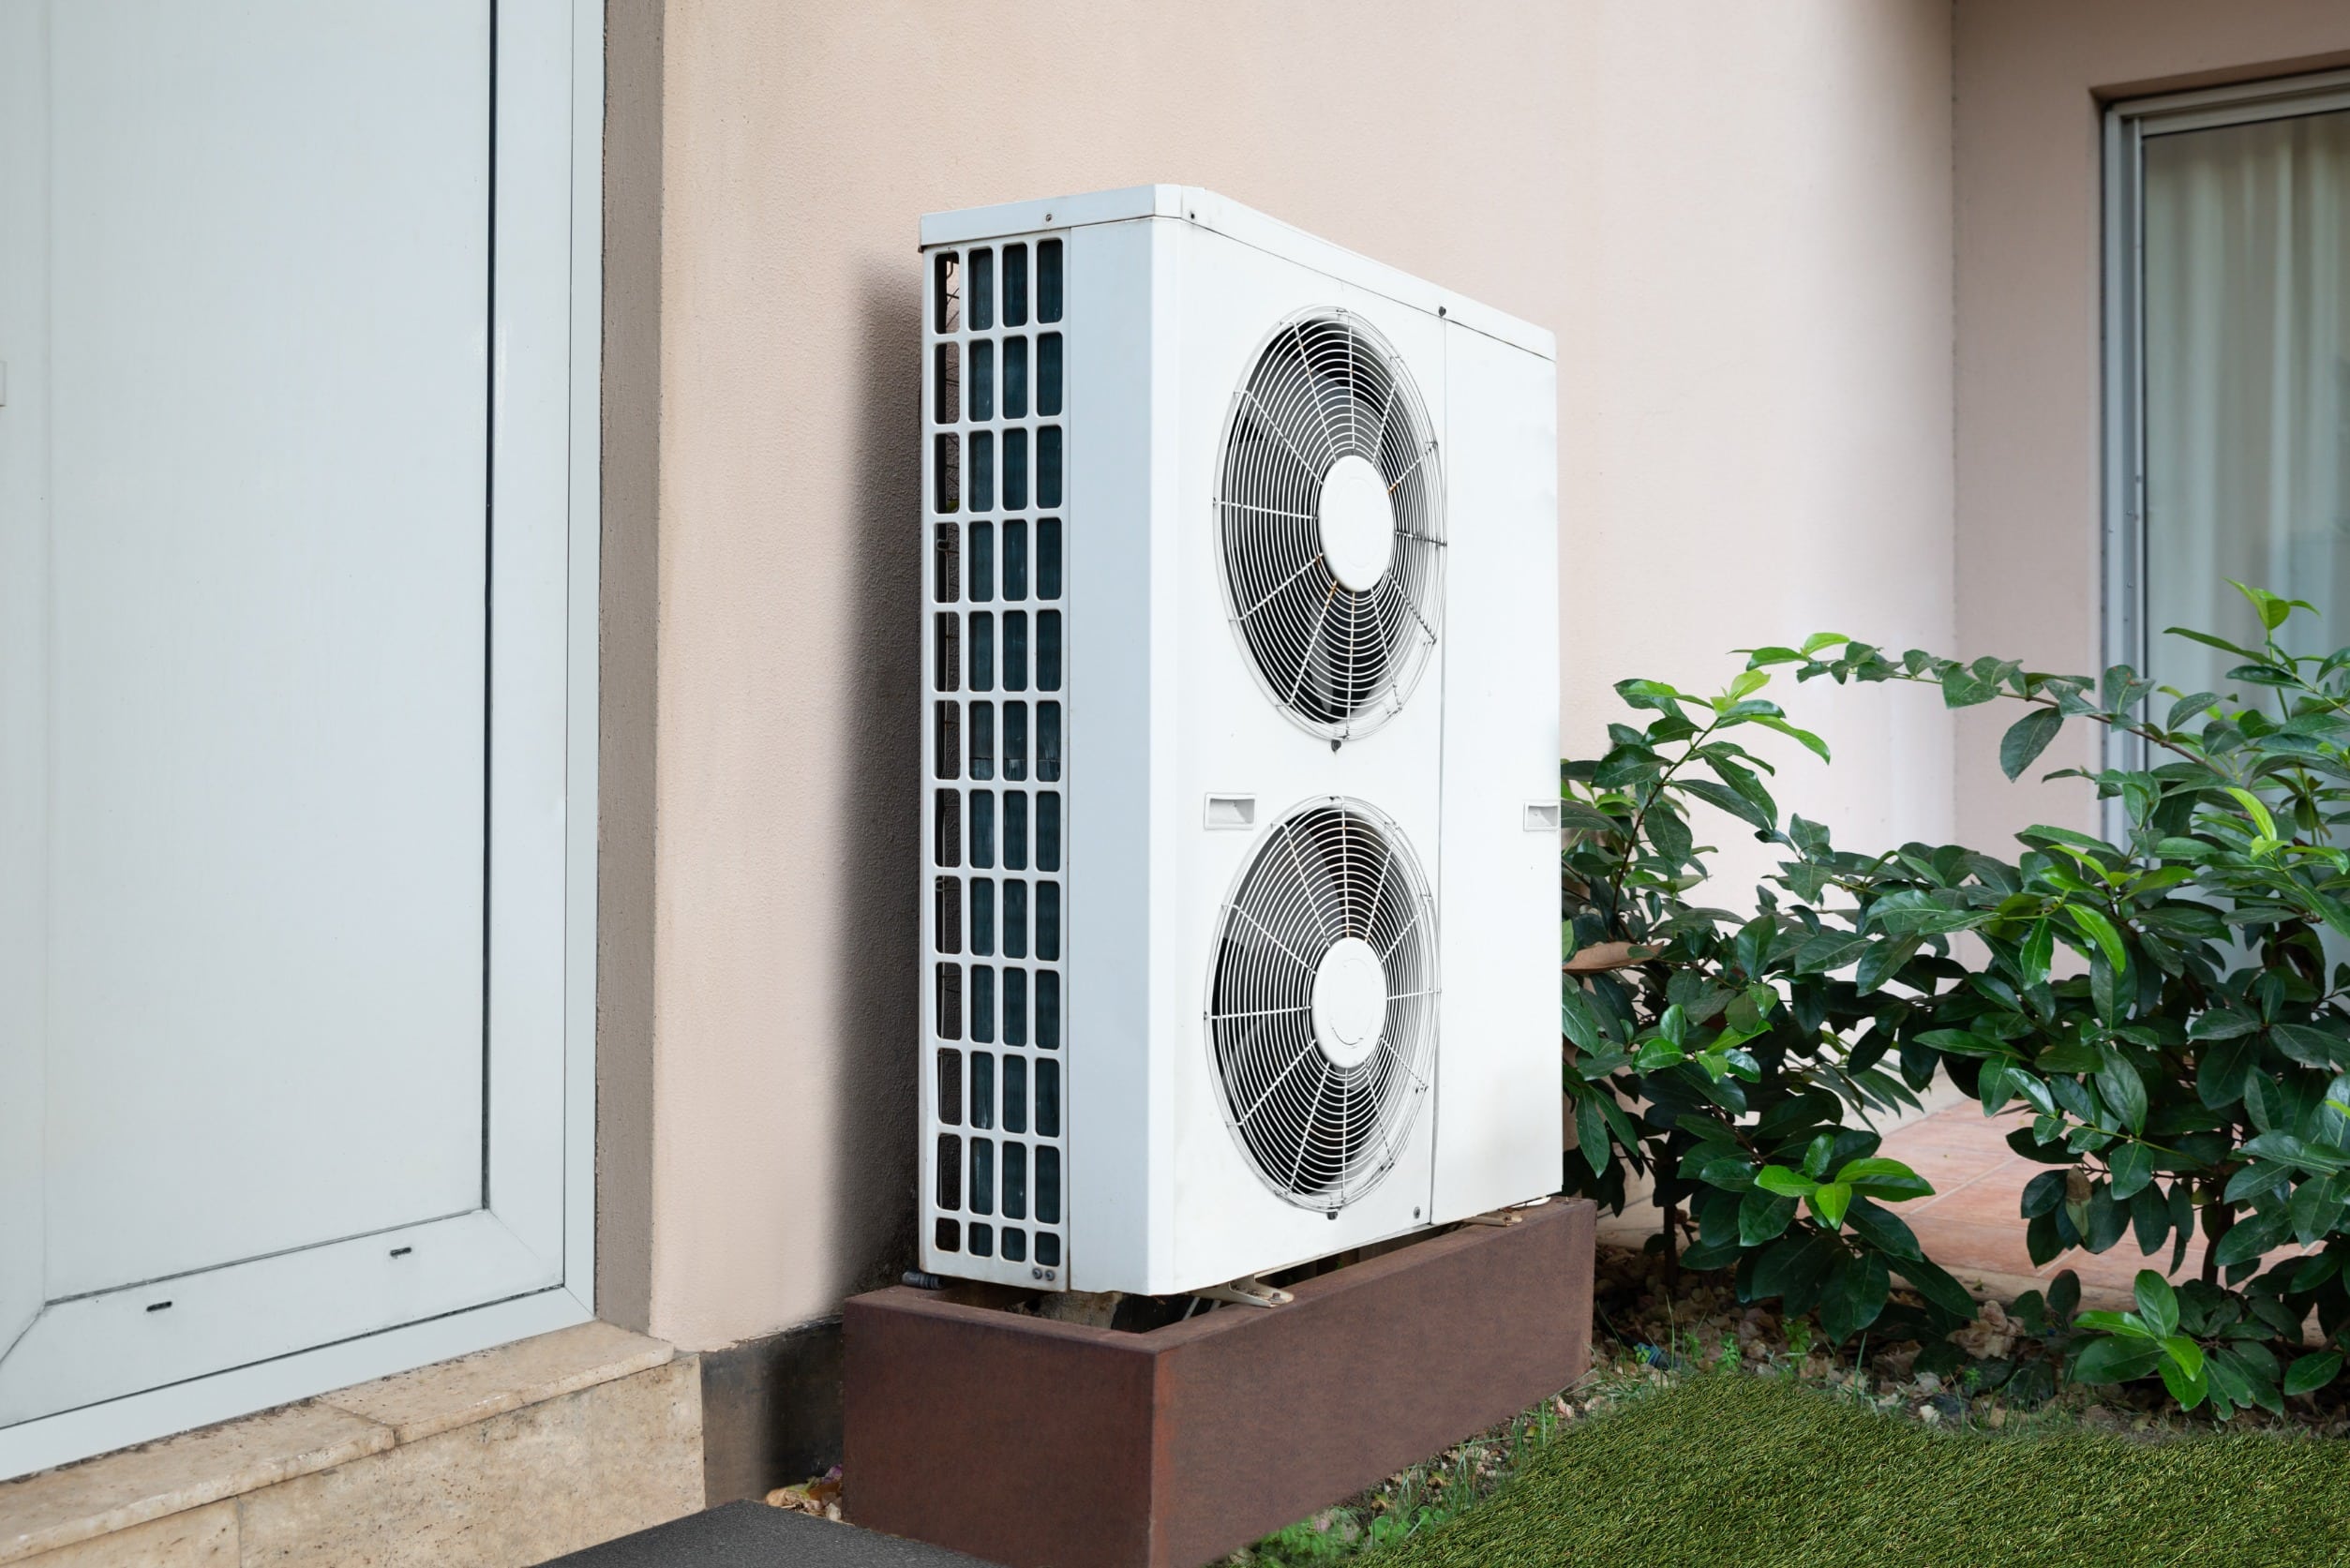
(250, 1312)
(288, 680)
(23, 658)
(268, 260)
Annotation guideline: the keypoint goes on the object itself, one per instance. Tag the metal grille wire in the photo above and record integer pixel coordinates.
(1325, 387)
(1319, 1135)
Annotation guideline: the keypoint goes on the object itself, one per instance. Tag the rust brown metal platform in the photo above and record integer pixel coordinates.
(1041, 1445)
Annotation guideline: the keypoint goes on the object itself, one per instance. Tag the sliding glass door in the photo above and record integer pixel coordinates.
(2228, 338)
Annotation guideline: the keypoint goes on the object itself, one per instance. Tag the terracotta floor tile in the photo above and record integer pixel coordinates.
(1961, 1245)
(1952, 1144)
(1951, 1139)
(1989, 1199)
(1960, 1127)
(1947, 1173)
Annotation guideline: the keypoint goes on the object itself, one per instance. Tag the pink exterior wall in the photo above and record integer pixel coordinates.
(1736, 217)
(2032, 78)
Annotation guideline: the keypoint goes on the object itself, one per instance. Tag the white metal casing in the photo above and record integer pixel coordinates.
(1169, 295)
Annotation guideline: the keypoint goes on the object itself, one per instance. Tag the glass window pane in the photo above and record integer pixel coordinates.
(2247, 367)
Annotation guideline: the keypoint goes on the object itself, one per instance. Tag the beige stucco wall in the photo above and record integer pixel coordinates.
(2031, 79)
(1735, 217)
(1755, 331)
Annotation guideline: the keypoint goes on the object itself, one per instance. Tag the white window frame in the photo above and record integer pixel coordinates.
(2127, 637)
(532, 1249)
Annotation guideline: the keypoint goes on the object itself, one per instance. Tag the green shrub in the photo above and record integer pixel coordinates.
(2171, 1007)
(2191, 1060)
(1719, 1052)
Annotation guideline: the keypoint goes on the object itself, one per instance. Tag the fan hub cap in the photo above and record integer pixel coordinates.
(1350, 1002)
(1357, 520)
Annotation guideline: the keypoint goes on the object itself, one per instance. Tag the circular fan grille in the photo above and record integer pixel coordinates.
(1331, 513)
(1323, 1011)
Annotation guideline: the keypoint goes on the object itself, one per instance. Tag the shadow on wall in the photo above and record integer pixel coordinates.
(877, 1025)
(772, 1405)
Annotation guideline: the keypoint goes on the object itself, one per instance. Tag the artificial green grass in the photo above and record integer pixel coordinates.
(1735, 1469)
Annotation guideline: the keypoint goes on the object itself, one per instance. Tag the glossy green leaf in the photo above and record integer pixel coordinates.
(1883, 959)
(2157, 1303)
(2311, 1046)
(2312, 1372)
(2120, 1088)
(1762, 1215)
(1937, 1287)
(2037, 952)
(2130, 1167)
(2026, 738)
(2188, 1388)
(2251, 1235)
(1798, 1268)
(1575, 1020)
(1722, 798)
(1881, 1229)
(2092, 924)
(1576, 818)
(1591, 1134)
(1880, 1177)
(1806, 739)
(2117, 1360)
(2043, 1194)
(1855, 1296)
(2256, 809)
(2272, 609)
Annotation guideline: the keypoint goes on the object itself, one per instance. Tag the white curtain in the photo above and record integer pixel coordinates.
(2247, 320)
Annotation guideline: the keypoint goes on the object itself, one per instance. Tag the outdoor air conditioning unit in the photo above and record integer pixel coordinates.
(1240, 748)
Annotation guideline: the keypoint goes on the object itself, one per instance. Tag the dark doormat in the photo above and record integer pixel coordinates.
(752, 1535)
